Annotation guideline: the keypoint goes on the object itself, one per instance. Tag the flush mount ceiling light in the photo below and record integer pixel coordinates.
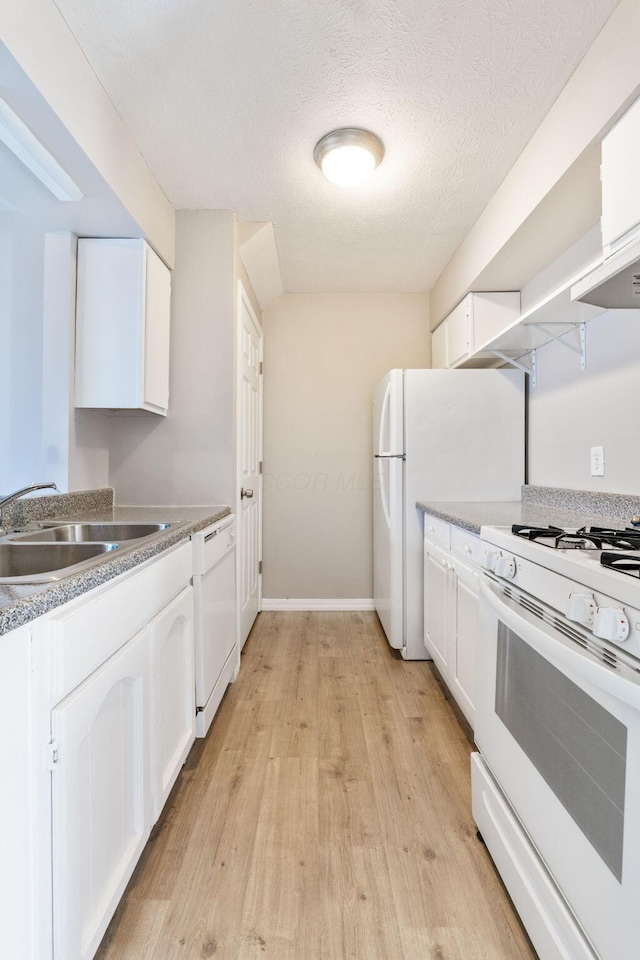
(348, 156)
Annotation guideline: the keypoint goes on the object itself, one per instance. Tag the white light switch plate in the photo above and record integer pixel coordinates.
(597, 461)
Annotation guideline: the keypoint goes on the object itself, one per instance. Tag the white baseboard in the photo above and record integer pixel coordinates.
(309, 605)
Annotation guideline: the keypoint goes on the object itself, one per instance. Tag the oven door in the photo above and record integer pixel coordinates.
(560, 731)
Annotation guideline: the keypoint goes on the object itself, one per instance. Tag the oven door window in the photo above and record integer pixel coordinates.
(573, 742)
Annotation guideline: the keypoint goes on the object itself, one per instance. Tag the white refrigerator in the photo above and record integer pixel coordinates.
(437, 435)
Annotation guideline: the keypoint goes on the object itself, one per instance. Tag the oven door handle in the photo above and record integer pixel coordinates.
(557, 650)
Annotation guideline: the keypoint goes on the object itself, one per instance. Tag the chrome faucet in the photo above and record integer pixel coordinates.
(5, 501)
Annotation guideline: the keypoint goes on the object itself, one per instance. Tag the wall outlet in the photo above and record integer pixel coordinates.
(597, 461)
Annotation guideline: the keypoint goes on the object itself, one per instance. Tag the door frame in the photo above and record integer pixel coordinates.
(243, 299)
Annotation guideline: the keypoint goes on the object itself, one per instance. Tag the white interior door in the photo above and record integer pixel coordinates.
(249, 473)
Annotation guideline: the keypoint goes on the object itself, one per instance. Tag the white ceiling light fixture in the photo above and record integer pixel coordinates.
(15, 134)
(348, 156)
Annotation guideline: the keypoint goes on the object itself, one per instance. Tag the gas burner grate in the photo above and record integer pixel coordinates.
(622, 562)
(586, 538)
(534, 533)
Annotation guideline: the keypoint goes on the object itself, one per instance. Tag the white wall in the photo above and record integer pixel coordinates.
(21, 284)
(324, 354)
(603, 85)
(570, 411)
(187, 457)
(37, 37)
(75, 443)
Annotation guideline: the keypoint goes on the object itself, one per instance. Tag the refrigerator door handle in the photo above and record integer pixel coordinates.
(384, 496)
(390, 456)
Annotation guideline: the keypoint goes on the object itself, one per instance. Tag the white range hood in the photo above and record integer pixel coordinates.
(615, 282)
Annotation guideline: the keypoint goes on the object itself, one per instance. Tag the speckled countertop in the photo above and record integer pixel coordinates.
(539, 505)
(22, 603)
(471, 516)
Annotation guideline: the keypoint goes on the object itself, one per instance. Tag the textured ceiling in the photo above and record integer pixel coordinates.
(226, 99)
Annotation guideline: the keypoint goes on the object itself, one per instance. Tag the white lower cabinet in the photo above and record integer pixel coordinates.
(19, 917)
(437, 601)
(467, 626)
(173, 694)
(114, 702)
(100, 797)
(451, 614)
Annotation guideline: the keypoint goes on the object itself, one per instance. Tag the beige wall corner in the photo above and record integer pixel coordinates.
(249, 229)
(323, 355)
(36, 35)
(605, 83)
(188, 456)
(259, 255)
(243, 232)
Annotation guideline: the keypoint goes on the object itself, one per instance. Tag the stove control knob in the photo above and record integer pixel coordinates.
(490, 559)
(611, 624)
(581, 608)
(505, 567)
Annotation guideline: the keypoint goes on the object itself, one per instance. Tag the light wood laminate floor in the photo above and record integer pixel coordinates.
(327, 816)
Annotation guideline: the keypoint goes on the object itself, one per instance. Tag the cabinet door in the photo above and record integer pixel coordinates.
(458, 333)
(490, 314)
(437, 599)
(122, 326)
(439, 347)
(156, 332)
(109, 310)
(217, 626)
(173, 694)
(466, 628)
(100, 797)
(620, 181)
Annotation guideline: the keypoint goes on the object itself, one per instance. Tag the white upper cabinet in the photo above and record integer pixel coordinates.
(477, 319)
(122, 326)
(620, 181)
(459, 332)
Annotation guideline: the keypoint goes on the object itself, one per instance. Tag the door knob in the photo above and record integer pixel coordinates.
(245, 493)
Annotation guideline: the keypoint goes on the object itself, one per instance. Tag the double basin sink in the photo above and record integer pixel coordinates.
(58, 549)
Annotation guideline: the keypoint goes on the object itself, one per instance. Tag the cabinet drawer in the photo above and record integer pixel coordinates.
(466, 545)
(82, 635)
(437, 531)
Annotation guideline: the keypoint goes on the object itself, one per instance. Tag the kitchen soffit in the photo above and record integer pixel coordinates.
(226, 101)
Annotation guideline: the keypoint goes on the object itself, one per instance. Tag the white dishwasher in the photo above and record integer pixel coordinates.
(216, 625)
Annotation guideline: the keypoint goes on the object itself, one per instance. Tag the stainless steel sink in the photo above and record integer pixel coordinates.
(47, 562)
(91, 532)
(60, 549)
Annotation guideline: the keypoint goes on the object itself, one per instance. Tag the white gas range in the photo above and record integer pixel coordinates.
(558, 729)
